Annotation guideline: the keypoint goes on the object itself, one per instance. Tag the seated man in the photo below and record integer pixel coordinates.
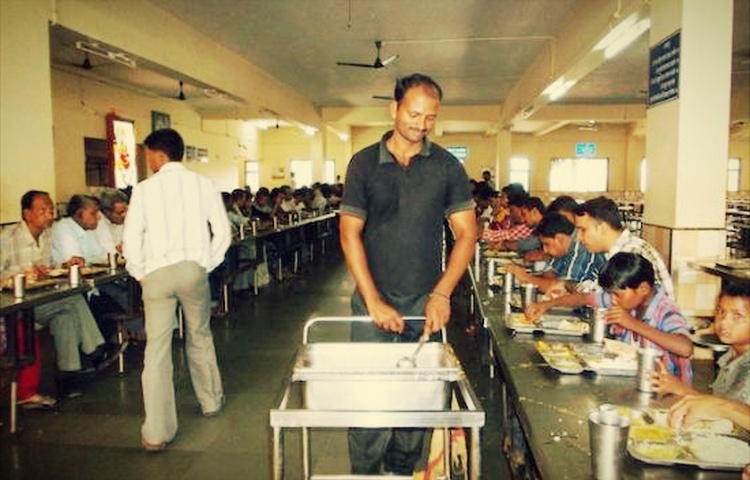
(600, 229)
(500, 239)
(74, 241)
(570, 259)
(26, 248)
(113, 205)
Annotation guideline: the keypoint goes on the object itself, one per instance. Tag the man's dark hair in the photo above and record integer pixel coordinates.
(514, 191)
(403, 84)
(735, 289)
(553, 223)
(79, 202)
(531, 203)
(563, 203)
(28, 198)
(168, 141)
(485, 192)
(626, 270)
(603, 209)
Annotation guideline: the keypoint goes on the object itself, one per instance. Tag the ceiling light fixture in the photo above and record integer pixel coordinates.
(558, 88)
(627, 38)
(622, 35)
(181, 96)
(95, 49)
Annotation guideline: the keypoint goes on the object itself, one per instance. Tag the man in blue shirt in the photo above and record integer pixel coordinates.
(570, 259)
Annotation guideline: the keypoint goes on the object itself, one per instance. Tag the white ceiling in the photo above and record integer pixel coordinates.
(478, 50)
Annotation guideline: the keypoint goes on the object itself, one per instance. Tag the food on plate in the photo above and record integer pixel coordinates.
(720, 449)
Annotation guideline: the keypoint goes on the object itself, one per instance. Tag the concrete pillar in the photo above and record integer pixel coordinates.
(687, 140)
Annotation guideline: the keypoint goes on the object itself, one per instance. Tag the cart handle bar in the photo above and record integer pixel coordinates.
(315, 320)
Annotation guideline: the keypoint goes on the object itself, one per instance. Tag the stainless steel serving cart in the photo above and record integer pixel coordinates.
(340, 385)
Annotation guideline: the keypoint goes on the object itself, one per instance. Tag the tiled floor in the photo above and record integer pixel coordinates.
(97, 436)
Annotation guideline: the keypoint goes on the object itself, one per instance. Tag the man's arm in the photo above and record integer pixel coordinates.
(384, 316)
(437, 310)
(220, 229)
(132, 237)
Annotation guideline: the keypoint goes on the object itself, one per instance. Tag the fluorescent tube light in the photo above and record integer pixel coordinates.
(627, 38)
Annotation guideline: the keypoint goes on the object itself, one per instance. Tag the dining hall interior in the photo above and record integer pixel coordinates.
(644, 102)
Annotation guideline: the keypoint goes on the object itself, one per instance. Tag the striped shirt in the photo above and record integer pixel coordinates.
(627, 242)
(578, 264)
(662, 313)
(175, 215)
(19, 251)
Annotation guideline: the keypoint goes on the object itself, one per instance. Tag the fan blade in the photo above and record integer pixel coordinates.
(349, 64)
(389, 60)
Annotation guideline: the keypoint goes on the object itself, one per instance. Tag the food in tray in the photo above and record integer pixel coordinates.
(718, 449)
(548, 323)
(33, 284)
(704, 444)
(608, 359)
(499, 254)
(93, 270)
(559, 356)
(57, 272)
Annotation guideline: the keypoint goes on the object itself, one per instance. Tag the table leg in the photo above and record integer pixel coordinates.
(306, 453)
(277, 455)
(476, 461)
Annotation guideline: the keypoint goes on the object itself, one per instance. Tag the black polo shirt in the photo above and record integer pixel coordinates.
(403, 209)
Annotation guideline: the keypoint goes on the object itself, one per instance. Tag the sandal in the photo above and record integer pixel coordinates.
(37, 401)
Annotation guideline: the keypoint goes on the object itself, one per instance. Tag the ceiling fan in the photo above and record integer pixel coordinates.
(376, 64)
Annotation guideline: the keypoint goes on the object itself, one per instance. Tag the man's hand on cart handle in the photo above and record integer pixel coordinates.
(386, 317)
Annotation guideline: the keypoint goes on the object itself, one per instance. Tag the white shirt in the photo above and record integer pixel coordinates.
(70, 240)
(109, 234)
(19, 251)
(174, 215)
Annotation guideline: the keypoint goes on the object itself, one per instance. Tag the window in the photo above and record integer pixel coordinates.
(520, 168)
(301, 171)
(329, 171)
(97, 163)
(252, 175)
(733, 175)
(643, 175)
(459, 151)
(578, 175)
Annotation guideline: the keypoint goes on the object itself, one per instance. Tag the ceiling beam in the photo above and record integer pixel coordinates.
(570, 57)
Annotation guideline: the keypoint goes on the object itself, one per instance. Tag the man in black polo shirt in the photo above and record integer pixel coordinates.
(397, 194)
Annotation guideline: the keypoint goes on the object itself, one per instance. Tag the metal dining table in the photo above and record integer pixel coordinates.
(18, 316)
(553, 407)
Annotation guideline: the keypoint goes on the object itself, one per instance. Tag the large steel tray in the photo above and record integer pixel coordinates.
(365, 376)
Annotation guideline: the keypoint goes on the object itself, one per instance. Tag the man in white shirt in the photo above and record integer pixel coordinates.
(26, 248)
(176, 232)
(113, 205)
(73, 237)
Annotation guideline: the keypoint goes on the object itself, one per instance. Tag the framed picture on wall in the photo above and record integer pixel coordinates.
(189, 153)
(159, 120)
(121, 149)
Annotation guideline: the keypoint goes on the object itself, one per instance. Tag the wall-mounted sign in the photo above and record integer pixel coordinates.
(459, 151)
(664, 70)
(585, 150)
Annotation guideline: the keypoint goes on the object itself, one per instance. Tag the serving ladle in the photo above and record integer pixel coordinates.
(411, 362)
